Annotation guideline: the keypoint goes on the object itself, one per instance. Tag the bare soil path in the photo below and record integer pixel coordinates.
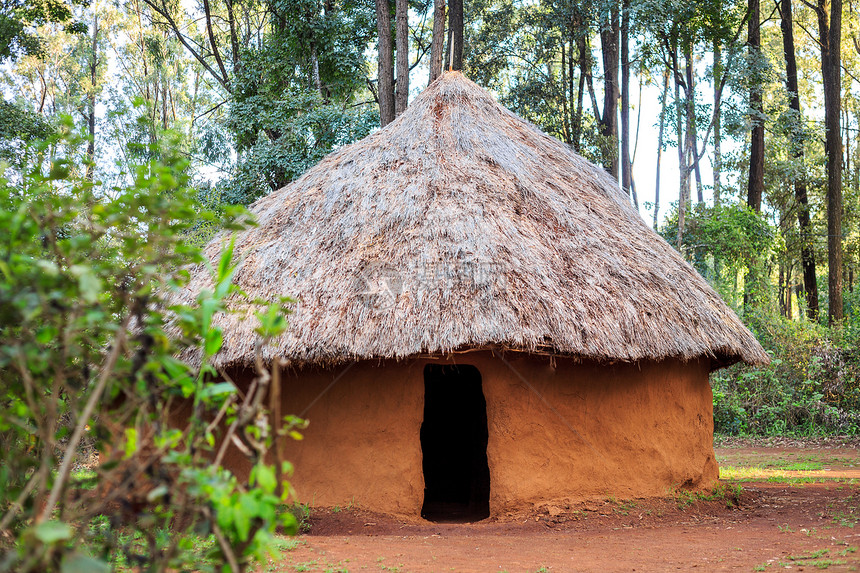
(788, 506)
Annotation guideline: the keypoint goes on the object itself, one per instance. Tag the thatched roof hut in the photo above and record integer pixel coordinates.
(460, 225)
(436, 264)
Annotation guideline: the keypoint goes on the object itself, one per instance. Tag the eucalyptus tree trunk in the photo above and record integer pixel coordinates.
(830, 37)
(91, 99)
(692, 137)
(401, 97)
(626, 167)
(807, 254)
(385, 66)
(585, 64)
(576, 123)
(755, 181)
(438, 41)
(609, 41)
(455, 35)
(565, 101)
(663, 103)
(684, 172)
(718, 153)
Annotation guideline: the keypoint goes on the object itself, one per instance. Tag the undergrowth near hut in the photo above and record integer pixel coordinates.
(88, 350)
(810, 388)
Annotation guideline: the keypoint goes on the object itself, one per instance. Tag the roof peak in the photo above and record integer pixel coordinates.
(461, 225)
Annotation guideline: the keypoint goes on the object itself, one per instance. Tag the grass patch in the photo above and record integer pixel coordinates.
(773, 475)
(813, 559)
(623, 507)
(729, 493)
(844, 519)
(302, 513)
(795, 466)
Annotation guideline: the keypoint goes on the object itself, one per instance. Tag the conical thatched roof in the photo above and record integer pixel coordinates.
(460, 226)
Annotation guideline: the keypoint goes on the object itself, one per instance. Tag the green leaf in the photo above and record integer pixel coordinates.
(214, 339)
(265, 477)
(242, 523)
(208, 306)
(49, 532)
(130, 442)
(224, 262)
(46, 334)
(89, 284)
(218, 389)
(272, 321)
(79, 563)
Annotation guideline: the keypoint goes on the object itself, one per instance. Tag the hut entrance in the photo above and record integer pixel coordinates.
(454, 444)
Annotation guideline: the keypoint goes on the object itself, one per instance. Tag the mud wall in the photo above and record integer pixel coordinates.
(557, 430)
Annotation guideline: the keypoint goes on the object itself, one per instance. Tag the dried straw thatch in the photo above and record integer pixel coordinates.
(462, 226)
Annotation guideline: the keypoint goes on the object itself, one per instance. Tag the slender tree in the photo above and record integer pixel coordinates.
(91, 97)
(626, 166)
(401, 99)
(829, 13)
(455, 35)
(807, 254)
(663, 102)
(385, 64)
(609, 41)
(755, 181)
(438, 39)
(717, 76)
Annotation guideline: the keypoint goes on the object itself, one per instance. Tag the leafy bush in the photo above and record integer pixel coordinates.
(88, 348)
(811, 386)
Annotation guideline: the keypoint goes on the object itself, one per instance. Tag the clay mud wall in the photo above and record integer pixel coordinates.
(558, 429)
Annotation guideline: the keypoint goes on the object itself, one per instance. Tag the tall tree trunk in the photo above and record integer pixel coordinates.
(807, 254)
(755, 182)
(781, 289)
(586, 65)
(684, 173)
(830, 38)
(91, 99)
(718, 153)
(565, 115)
(609, 32)
(577, 118)
(386, 63)
(663, 103)
(401, 98)
(315, 72)
(438, 41)
(692, 132)
(455, 34)
(626, 167)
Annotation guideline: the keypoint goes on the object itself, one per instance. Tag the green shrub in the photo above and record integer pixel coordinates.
(88, 348)
(810, 387)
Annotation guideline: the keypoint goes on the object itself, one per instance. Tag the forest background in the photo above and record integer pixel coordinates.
(131, 129)
(734, 127)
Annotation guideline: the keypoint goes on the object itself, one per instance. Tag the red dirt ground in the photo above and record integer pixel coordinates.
(797, 521)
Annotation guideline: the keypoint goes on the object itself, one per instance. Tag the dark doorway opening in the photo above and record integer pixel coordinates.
(454, 443)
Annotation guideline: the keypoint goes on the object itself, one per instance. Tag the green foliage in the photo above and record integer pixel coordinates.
(17, 127)
(731, 233)
(811, 387)
(282, 123)
(282, 138)
(88, 352)
(19, 17)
